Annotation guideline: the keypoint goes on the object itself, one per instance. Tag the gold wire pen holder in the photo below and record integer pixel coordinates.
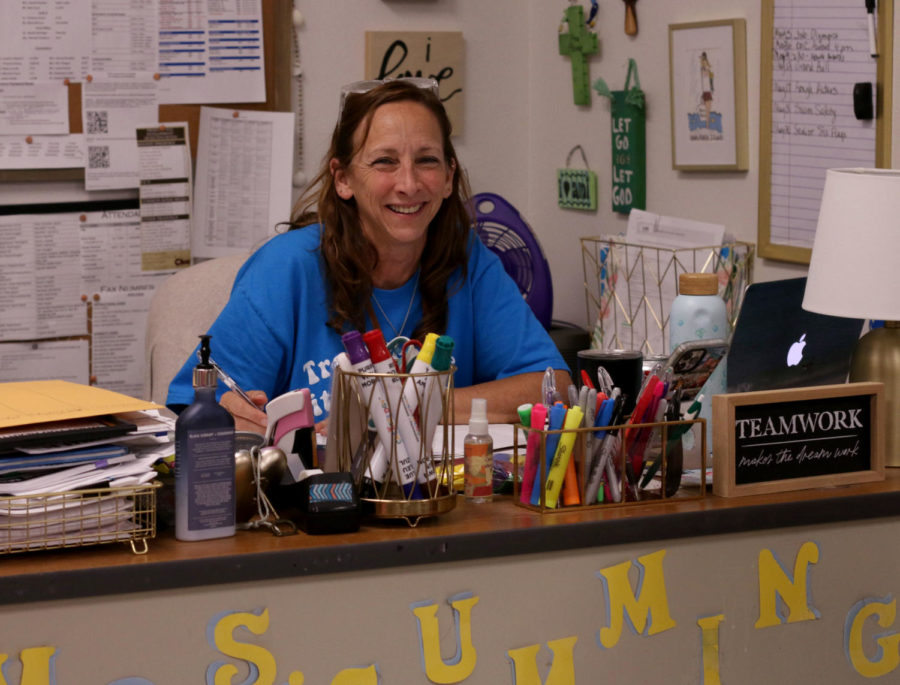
(648, 466)
(79, 518)
(629, 287)
(355, 446)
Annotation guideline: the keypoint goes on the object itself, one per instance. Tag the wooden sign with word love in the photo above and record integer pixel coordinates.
(434, 54)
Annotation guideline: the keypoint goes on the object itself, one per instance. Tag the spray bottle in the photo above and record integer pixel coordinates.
(478, 451)
(204, 461)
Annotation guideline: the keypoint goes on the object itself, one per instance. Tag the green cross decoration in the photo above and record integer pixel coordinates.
(577, 44)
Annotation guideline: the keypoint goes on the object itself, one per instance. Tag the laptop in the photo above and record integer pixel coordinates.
(778, 344)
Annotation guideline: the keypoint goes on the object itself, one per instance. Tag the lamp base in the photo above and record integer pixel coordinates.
(877, 358)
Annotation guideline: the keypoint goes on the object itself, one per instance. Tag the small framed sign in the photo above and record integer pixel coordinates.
(780, 440)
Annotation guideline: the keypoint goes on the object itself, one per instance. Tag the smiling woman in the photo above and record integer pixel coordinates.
(399, 178)
(383, 239)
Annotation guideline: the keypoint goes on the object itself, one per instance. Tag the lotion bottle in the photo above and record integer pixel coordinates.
(478, 451)
(204, 461)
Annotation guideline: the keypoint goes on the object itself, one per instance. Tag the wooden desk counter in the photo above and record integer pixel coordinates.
(469, 532)
(766, 588)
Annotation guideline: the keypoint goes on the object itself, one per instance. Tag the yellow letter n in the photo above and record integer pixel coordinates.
(651, 602)
(774, 584)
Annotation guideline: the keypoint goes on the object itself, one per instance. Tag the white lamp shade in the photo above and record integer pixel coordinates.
(854, 270)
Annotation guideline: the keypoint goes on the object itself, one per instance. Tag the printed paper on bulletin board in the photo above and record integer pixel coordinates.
(435, 54)
(812, 54)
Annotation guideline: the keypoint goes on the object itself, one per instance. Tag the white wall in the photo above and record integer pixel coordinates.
(520, 120)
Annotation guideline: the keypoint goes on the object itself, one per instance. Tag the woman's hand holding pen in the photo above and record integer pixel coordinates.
(246, 417)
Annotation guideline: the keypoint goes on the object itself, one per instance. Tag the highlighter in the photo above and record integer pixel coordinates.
(557, 419)
(562, 457)
(532, 451)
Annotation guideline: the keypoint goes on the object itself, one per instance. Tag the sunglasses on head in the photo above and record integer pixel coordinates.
(359, 87)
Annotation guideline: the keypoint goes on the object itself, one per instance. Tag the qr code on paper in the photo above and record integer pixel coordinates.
(97, 122)
(98, 157)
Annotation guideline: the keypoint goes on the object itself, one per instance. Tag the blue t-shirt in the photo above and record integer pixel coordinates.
(273, 336)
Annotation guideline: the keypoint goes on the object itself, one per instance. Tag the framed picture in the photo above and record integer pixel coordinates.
(708, 94)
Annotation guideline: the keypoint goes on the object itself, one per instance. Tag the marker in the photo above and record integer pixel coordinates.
(380, 410)
(557, 419)
(524, 412)
(590, 408)
(586, 379)
(640, 409)
(870, 13)
(533, 451)
(379, 462)
(437, 387)
(403, 414)
(415, 388)
(604, 464)
(573, 395)
(675, 434)
(594, 468)
(635, 447)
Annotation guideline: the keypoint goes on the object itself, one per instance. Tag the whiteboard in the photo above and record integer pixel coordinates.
(812, 54)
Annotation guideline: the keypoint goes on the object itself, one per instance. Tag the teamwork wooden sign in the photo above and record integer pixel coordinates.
(781, 440)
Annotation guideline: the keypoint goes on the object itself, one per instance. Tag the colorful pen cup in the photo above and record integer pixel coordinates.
(625, 367)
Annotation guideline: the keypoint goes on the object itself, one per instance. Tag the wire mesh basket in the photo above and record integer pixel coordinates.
(407, 478)
(629, 288)
(632, 464)
(79, 518)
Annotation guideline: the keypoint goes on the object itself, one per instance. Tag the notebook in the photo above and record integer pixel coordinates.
(778, 344)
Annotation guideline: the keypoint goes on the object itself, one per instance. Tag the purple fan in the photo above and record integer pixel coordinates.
(504, 231)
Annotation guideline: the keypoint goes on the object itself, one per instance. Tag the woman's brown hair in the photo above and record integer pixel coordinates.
(349, 257)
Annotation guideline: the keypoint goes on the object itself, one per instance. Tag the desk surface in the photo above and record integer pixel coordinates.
(470, 531)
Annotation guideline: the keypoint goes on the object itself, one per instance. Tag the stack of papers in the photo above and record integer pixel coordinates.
(42, 480)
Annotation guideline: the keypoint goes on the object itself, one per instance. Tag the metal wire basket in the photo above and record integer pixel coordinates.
(354, 447)
(629, 288)
(79, 518)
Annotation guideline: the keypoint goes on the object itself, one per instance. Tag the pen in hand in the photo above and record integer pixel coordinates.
(231, 384)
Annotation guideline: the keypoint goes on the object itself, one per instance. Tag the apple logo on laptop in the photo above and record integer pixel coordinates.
(795, 353)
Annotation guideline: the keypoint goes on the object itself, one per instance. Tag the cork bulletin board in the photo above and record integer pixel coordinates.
(277, 29)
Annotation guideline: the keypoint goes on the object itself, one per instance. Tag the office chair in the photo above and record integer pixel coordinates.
(183, 307)
(505, 232)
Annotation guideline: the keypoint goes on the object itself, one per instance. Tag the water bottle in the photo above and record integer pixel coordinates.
(698, 313)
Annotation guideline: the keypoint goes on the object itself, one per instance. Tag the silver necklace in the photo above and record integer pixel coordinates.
(398, 332)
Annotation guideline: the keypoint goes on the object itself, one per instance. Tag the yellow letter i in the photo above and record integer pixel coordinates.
(709, 640)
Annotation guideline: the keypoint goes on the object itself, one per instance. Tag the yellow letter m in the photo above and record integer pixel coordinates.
(651, 603)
